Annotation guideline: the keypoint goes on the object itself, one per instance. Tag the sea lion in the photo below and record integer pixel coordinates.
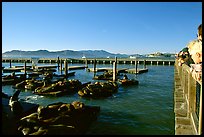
(47, 112)
(78, 104)
(80, 93)
(32, 118)
(40, 132)
(55, 105)
(66, 109)
(15, 105)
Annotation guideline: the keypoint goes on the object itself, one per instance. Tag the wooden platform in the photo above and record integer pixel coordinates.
(76, 67)
(21, 66)
(46, 67)
(9, 70)
(121, 70)
(107, 69)
(139, 71)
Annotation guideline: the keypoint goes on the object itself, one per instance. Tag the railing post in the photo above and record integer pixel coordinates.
(200, 113)
(191, 94)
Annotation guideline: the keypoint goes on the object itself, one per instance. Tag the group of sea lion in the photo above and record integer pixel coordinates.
(99, 89)
(29, 84)
(65, 86)
(57, 119)
(39, 86)
(53, 119)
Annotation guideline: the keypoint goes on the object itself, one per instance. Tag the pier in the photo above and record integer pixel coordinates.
(187, 102)
(147, 61)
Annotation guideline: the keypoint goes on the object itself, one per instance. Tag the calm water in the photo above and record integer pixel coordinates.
(144, 109)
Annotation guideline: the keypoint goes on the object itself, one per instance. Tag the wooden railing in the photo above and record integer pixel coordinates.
(192, 90)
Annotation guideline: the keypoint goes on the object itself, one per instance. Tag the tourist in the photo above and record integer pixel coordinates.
(199, 35)
(184, 57)
(195, 51)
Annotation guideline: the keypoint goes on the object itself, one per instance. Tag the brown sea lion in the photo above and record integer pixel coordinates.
(15, 105)
(78, 104)
(55, 105)
(66, 108)
(40, 132)
(31, 116)
(47, 112)
(81, 93)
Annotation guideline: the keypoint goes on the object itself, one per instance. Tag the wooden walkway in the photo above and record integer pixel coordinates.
(152, 61)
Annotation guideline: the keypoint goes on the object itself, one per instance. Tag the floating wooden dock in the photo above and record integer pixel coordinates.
(120, 70)
(106, 69)
(139, 71)
(46, 67)
(10, 70)
(76, 67)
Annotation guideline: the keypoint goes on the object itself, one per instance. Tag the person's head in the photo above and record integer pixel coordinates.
(184, 53)
(200, 32)
(195, 50)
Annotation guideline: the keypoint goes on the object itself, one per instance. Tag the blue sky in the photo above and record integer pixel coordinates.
(117, 27)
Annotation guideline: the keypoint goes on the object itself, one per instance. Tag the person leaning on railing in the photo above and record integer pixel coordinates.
(184, 57)
(195, 51)
(199, 35)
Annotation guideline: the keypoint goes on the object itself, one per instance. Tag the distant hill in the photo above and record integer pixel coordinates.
(62, 54)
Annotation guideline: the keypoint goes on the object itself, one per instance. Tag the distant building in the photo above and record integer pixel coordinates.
(132, 57)
(83, 57)
(158, 54)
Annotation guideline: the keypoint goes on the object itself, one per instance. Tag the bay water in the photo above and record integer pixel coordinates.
(144, 109)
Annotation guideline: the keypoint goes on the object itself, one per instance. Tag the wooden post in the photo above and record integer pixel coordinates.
(10, 62)
(94, 67)
(65, 68)
(115, 62)
(86, 64)
(144, 63)
(61, 66)
(58, 62)
(135, 66)
(114, 71)
(25, 69)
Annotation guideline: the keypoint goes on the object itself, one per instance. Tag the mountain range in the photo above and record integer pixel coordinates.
(63, 54)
